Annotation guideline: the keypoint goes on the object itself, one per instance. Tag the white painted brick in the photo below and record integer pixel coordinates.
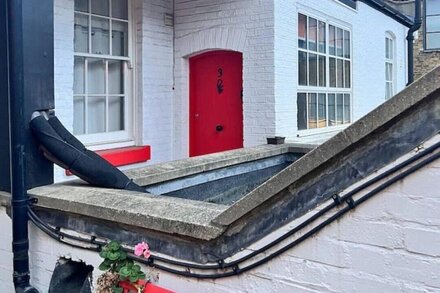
(422, 241)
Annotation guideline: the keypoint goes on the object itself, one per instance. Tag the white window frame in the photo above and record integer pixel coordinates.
(425, 31)
(326, 89)
(390, 40)
(122, 138)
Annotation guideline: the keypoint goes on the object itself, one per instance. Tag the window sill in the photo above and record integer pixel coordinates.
(124, 156)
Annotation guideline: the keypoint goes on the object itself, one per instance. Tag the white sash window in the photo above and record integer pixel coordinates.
(102, 103)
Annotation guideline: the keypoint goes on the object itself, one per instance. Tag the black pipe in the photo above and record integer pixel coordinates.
(18, 122)
(410, 39)
(234, 265)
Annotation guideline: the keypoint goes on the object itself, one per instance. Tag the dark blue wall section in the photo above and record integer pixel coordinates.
(33, 73)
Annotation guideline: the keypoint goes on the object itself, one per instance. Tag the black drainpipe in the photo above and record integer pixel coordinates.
(410, 38)
(17, 124)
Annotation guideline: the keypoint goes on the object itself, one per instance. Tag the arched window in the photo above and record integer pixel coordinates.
(389, 65)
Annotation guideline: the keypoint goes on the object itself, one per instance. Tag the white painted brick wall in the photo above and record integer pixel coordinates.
(240, 25)
(369, 28)
(264, 31)
(391, 243)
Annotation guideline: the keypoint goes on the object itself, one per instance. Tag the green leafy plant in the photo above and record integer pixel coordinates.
(117, 263)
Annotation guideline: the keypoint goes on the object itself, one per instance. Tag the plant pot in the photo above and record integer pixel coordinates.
(275, 140)
(148, 287)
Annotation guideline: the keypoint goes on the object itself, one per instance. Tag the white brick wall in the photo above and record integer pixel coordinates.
(264, 31)
(369, 28)
(391, 243)
(240, 25)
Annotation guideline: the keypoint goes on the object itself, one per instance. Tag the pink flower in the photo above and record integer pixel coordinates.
(142, 248)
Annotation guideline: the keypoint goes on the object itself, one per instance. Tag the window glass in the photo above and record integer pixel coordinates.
(96, 119)
(115, 77)
(120, 9)
(322, 71)
(313, 34)
(331, 109)
(79, 110)
(116, 112)
(432, 23)
(81, 33)
(347, 74)
(340, 73)
(79, 75)
(347, 44)
(312, 114)
(332, 68)
(339, 42)
(322, 106)
(100, 36)
(347, 109)
(332, 40)
(322, 37)
(302, 111)
(119, 38)
(96, 76)
(302, 31)
(302, 74)
(339, 108)
(100, 7)
(313, 70)
(82, 5)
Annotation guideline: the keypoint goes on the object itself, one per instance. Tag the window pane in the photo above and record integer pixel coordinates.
(78, 115)
(82, 5)
(116, 113)
(433, 41)
(81, 38)
(115, 77)
(340, 73)
(120, 9)
(322, 71)
(347, 74)
(339, 108)
(302, 31)
(100, 7)
(339, 43)
(347, 108)
(302, 72)
(79, 76)
(96, 114)
(432, 7)
(332, 68)
(100, 36)
(312, 111)
(331, 109)
(96, 76)
(388, 90)
(433, 23)
(387, 48)
(388, 71)
(322, 36)
(313, 34)
(119, 38)
(332, 40)
(313, 70)
(347, 43)
(322, 105)
(302, 111)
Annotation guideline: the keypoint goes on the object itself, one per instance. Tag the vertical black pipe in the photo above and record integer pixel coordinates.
(18, 122)
(410, 39)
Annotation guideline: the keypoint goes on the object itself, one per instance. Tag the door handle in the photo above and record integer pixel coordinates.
(219, 128)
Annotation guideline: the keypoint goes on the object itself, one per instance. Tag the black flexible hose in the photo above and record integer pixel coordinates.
(347, 198)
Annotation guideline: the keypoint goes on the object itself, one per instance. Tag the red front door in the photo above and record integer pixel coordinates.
(216, 110)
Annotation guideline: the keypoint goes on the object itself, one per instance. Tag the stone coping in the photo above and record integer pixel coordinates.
(171, 170)
(161, 213)
(380, 116)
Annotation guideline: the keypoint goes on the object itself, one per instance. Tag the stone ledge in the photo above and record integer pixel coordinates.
(380, 116)
(171, 170)
(169, 215)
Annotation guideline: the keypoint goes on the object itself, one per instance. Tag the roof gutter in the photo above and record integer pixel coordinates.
(389, 11)
(410, 38)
